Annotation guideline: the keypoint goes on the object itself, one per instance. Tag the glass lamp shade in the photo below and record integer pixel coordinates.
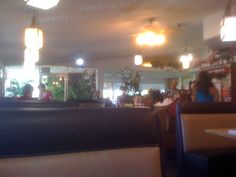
(33, 38)
(42, 4)
(31, 55)
(185, 60)
(228, 29)
(138, 59)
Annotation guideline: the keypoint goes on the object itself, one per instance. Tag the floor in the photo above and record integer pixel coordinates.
(170, 165)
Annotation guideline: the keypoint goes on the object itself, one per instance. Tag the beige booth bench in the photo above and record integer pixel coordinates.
(79, 143)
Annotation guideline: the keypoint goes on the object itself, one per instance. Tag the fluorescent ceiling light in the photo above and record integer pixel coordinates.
(42, 4)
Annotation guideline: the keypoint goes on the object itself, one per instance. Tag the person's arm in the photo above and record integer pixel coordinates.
(214, 92)
(50, 97)
(193, 96)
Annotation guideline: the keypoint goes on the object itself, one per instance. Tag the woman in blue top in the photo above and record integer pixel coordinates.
(204, 90)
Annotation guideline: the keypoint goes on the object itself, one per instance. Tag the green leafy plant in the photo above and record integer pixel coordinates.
(130, 82)
(15, 88)
(81, 85)
(56, 86)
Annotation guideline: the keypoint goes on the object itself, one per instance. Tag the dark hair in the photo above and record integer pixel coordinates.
(27, 89)
(157, 96)
(42, 86)
(204, 82)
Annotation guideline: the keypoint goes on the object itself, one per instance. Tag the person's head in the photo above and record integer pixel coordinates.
(156, 96)
(27, 91)
(42, 87)
(203, 81)
(173, 85)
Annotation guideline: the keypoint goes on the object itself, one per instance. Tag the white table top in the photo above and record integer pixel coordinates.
(222, 132)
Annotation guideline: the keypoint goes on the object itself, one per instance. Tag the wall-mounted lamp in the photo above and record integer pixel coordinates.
(42, 4)
(138, 60)
(228, 25)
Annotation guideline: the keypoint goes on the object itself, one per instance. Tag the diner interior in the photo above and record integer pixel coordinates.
(96, 88)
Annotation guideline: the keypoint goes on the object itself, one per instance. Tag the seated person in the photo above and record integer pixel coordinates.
(44, 94)
(204, 90)
(27, 92)
(154, 97)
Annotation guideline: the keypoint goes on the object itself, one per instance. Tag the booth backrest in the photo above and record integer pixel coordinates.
(193, 131)
(79, 142)
(194, 118)
(38, 104)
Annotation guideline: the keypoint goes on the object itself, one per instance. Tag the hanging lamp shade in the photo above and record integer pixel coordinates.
(228, 29)
(33, 38)
(185, 60)
(228, 25)
(138, 59)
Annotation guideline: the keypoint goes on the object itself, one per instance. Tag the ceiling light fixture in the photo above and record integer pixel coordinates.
(80, 61)
(33, 42)
(228, 25)
(33, 36)
(149, 37)
(138, 60)
(42, 4)
(185, 60)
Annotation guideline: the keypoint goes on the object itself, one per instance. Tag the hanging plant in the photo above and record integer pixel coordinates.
(165, 63)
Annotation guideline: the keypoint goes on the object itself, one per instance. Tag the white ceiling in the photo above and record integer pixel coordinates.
(103, 29)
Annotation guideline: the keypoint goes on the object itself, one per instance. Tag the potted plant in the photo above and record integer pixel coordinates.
(130, 86)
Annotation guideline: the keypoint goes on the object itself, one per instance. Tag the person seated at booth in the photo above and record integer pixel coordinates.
(44, 94)
(153, 97)
(203, 89)
(27, 92)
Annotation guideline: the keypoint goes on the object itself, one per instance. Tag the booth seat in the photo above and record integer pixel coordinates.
(198, 153)
(39, 142)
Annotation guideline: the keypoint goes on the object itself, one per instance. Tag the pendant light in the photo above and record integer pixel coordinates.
(186, 58)
(228, 25)
(33, 35)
